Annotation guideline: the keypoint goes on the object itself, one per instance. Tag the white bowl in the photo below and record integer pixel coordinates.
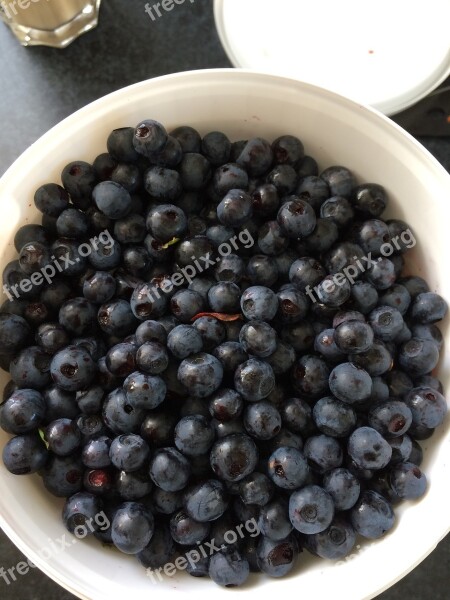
(335, 131)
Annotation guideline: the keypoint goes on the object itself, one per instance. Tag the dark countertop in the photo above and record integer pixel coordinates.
(40, 86)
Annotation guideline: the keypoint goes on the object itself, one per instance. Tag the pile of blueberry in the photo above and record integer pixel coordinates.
(287, 384)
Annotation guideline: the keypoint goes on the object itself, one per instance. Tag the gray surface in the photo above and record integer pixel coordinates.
(40, 86)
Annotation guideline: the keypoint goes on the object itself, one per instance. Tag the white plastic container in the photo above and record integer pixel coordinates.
(385, 54)
(334, 130)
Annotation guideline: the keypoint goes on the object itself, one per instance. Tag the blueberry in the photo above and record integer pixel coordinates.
(228, 569)
(350, 383)
(131, 229)
(133, 486)
(206, 501)
(211, 330)
(51, 199)
(170, 155)
(377, 360)
(152, 358)
(119, 415)
(254, 380)
(81, 511)
(408, 481)
(95, 453)
(340, 180)
(310, 376)
(226, 404)
(259, 302)
(63, 437)
(33, 257)
(186, 304)
(314, 190)
(229, 177)
(262, 420)
(258, 338)
(287, 468)
(166, 503)
(162, 183)
(370, 199)
(368, 448)
(262, 270)
(79, 180)
(392, 418)
(372, 516)
(186, 531)
(323, 453)
(256, 488)
(14, 333)
(335, 542)
(24, 454)
(235, 208)
(333, 417)
(160, 550)
(365, 296)
(166, 222)
(132, 527)
(169, 469)
(296, 218)
(129, 452)
(188, 137)
(194, 435)
(256, 157)
(428, 307)
(288, 149)
(151, 331)
(63, 476)
(282, 359)
(195, 171)
(265, 200)
(311, 509)
(296, 415)
(184, 340)
(60, 404)
(306, 272)
(277, 558)
(72, 368)
(284, 178)
(418, 356)
(201, 374)
(28, 234)
(120, 145)
(233, 457)
(90, 400)
(31, 368)
(121, 359)
(216, 147)
(149, 137)
(428, 406)
(343, 487)
(99, 287)
(112, 199)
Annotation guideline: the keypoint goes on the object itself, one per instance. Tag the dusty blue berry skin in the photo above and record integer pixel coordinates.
(235, 209)
(233, 457)
(311, 509)
(343, 487)
(391, 419)
(206, 501)
(78, 509)
(187, 531)
(368, 448)
(427, 405)
(184, 340)
(14, 333)
(287, 468)
(418, 356)
(228, 569)
(372, 516)
(259, 302)
(350, 383)
(277, 558)
(254, 380)
(408, 481)
(72, 368)
(201, 374)
(23, 412)
(296, 218)
(24, 454)
(160, 550)
(336, 542)
(194, 435)
(169, 469)
(119, 415)
(144, 391)
(63, 476)
(132, 527)
(129, 452)
(323, 453)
